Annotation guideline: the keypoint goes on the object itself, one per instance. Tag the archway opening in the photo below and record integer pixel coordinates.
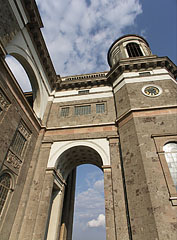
(89, 209)
(26, 79)
(19, 73)
(78, 157)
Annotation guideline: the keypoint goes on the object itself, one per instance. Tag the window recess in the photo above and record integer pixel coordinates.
(100, 108)
(82, 110)
(133, 50)
(64, 112)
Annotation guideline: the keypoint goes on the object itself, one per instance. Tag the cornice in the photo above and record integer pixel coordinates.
(34, 25)
(32, 12)
(141, 64)
(82, 81)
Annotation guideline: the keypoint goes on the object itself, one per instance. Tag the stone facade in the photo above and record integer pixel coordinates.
(117, 120)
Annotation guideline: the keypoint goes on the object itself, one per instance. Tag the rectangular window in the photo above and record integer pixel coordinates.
(64, 112)
(144, 73)
(82, 92)
(18, 143)
(100, 108)
(82, 110)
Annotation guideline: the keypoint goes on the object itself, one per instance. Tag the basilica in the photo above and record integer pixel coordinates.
(123, 120)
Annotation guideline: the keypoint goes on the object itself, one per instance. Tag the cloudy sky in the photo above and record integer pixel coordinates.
(89, 216)
(78, 34)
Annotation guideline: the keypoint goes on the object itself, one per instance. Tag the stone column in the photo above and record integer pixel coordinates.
(54, 221)
(68, 208)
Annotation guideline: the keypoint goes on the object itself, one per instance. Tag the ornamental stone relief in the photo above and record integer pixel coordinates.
(4, 102)
(13, 160)
(23, 130)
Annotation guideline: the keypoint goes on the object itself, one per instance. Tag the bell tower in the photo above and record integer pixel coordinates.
(144, 88)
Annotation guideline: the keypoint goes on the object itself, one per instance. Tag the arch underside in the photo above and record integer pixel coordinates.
(76, 156)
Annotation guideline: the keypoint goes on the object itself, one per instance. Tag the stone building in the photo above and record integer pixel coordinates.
(123, 121)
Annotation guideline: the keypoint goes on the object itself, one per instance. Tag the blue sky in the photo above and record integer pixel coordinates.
(89, 216)
(78, 34)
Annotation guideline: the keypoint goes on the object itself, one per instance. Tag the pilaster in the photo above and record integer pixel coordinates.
(119, 200)
(33, 209)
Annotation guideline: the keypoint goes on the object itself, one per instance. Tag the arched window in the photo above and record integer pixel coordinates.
(170, 150)
(134, 50)
(5, 185)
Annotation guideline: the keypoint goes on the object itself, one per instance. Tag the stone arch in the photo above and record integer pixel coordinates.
(29, 66)
(65, 157)
(100, 146)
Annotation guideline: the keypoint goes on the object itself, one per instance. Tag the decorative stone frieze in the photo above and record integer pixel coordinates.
(76, 82)
(13, 160)
(23, 130)
(86, 76)
(4, 102)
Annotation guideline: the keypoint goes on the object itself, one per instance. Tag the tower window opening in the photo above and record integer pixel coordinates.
(134, 50)
(5, 184)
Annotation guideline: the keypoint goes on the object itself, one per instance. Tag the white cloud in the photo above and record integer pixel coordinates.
(99, 185)
(79, 33)
(100, 221)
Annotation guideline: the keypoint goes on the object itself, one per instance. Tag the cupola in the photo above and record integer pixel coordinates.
(128, 46)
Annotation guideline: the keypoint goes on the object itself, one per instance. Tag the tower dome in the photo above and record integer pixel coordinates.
(128, 46)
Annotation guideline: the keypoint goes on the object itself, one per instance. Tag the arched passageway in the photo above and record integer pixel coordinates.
(62, 204)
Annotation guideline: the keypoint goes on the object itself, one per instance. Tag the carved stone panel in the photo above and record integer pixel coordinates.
(4, 102)
(13, 162)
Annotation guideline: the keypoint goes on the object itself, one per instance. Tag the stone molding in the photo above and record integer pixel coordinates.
(33, 26)
(141, 64)
(85, 76)
(143, 112)
(82, 81)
